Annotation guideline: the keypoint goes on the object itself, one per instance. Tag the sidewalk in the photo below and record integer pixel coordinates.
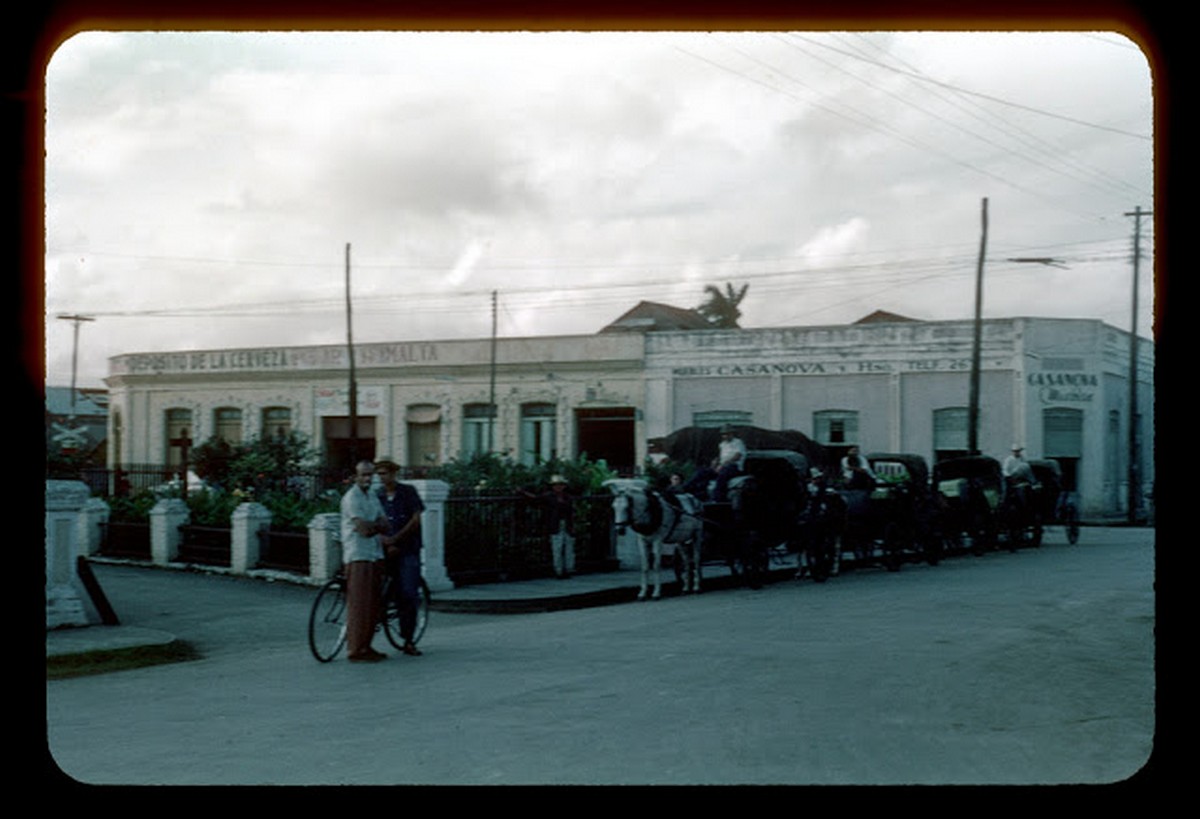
(510, 597)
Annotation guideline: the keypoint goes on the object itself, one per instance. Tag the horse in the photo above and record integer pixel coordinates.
(661, 527)
(823, 526)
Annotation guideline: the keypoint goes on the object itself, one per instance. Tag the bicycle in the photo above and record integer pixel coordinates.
(327, 620)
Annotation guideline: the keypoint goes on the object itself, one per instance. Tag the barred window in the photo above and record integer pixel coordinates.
(227, 422)
(835, 427)
(478, 422)
(538, 433)
(276, 422)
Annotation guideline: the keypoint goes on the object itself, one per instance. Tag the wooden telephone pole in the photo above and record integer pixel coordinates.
(1134, 478)
(491, 439)
(353, 383)
(973, 405)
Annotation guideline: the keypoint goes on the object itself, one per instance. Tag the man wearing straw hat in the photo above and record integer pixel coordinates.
(560, 521)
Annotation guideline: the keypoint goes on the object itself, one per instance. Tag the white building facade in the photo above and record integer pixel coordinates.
(1058, 387)
(422, 402)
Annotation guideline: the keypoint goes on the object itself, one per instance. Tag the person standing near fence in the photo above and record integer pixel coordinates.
(560, 521)
(363, 520)
(402, 546)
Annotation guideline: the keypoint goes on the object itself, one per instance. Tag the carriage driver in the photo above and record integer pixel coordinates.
(1018, 474)
(731, 460)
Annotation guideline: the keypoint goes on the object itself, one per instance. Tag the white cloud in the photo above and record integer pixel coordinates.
(198, 170)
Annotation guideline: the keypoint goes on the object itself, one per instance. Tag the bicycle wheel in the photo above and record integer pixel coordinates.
(327, 621)
(391, 623)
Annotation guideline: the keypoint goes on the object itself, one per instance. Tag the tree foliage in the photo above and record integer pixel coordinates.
(259, 464)
(721, 308)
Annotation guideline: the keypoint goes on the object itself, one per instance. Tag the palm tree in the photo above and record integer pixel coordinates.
(721, 309)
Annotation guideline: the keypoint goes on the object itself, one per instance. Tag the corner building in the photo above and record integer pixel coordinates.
(1059, 387)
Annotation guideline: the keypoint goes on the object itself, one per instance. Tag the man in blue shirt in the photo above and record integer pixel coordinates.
(402, 546)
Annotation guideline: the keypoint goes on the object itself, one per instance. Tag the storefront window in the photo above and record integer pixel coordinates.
(712, 419)
(179, 430)
(227, 421)
(950, 438)
(538, 427)
(835, 427)
(276, 422)
(478, 420)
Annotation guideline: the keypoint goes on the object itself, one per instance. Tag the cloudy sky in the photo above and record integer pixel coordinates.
(202, 188)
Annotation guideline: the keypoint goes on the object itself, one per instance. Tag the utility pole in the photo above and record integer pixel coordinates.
(973, 406)
(492, 384)
(1133, 481)
(77, 319)
(353, 384)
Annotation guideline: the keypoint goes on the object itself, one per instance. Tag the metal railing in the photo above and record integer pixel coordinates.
(506, 538)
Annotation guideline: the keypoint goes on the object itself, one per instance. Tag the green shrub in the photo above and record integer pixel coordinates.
(212, 507)
(259, 464)
(291, 512)
(133, 508)
(492, 475)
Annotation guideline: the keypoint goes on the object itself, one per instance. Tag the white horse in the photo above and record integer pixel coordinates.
(660, 526)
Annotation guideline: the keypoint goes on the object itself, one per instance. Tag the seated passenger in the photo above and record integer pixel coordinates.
(856, 471)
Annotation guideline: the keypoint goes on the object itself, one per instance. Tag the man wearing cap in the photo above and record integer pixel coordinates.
(402, 546)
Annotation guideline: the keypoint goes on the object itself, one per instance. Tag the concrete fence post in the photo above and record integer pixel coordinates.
(247, 520)
(65, 594)
(165, 519)
(433, 533)
(93, 514)
(324, 546)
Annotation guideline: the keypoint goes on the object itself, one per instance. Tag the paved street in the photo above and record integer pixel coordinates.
(1027, 668)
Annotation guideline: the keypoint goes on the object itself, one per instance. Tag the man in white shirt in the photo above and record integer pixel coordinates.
(731, 458)
(363, 520)
(1016, 467)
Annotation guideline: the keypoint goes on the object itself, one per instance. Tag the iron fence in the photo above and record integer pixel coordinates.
(506, 538)
(285, 551)
(486, 538)
(122, 539)
(206, 545)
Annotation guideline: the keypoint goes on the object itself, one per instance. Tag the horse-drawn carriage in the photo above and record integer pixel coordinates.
(897, 518)
(1021, 512)
(968, 494)
(760, 521)
(1055, 504)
